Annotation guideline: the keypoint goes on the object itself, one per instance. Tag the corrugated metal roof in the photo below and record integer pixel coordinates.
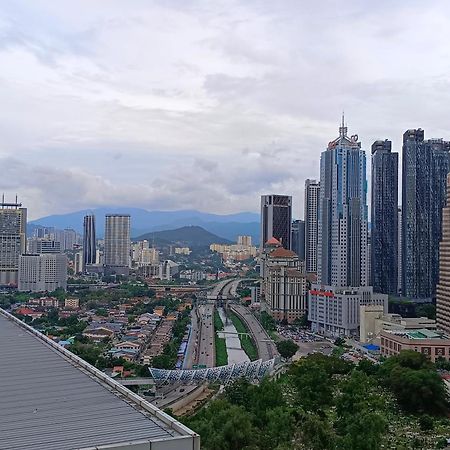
(51, 399)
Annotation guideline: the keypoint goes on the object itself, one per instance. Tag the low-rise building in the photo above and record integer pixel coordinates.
(72, 303)
(430, 343)
(182, 251)
(334, 311)
(373, 320)
(46, 302)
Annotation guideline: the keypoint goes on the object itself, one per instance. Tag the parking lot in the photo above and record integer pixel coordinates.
(307, 342)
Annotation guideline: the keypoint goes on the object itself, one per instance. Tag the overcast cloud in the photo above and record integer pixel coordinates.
(206, 104)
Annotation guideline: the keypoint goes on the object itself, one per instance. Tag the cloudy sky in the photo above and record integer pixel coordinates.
(206, 104)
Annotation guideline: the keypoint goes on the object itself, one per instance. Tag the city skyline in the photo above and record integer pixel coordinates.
(81, 91)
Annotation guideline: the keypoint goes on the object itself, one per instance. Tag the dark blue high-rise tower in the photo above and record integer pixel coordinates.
(384, 218)
(425, 169)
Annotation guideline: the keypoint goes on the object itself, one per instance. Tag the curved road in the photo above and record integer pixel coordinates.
(264, 344)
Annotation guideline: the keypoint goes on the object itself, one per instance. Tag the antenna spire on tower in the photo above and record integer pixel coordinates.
(343, 128)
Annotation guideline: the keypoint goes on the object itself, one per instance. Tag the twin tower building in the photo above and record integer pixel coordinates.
(397, 253)
(117, 243)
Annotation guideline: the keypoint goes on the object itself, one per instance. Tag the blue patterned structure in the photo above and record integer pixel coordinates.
(252, 371)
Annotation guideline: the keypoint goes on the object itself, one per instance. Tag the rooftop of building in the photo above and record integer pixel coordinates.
(281, 252)
(53, 399)
(419, 334)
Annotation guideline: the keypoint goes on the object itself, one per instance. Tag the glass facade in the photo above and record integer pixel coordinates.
(384, 218)
(425, 169)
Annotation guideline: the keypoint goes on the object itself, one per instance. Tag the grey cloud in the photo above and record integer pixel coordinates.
(206, 104)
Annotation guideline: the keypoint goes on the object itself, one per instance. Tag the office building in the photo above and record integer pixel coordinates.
(298, 238)
(335, 311)
(13, 225)
(443, 288)
(285, 285)
(311, 215)
(425, 169)
(40, 273)
(276, 219)
(384, 215)
(342, 230)
(399, 252)
(117, 244)
(78, 266)
(89, 241)
(43, 245)
(68, 239)
(168, 270)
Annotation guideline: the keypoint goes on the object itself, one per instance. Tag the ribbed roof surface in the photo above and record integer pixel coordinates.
(50, 402)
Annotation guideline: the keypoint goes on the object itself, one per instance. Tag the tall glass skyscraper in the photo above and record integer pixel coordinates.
(276, 219)
(425, 169)
(89, 242)
(384, 216)
(342, 235)
(298, 238)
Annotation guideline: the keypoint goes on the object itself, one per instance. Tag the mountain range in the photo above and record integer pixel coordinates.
(227, 226)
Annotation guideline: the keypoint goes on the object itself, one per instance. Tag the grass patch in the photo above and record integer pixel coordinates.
(220, 343)
(247, 343)
(218, 324)
(221, 351)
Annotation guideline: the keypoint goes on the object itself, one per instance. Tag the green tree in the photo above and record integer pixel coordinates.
(426, 310)
(316, 433)
(223, 426)
(415, 383)
(287, 348)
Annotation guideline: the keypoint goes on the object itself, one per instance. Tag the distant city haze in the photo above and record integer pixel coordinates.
(206, 105)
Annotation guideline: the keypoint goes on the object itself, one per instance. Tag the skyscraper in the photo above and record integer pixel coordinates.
(13, 224)
(89, 242)
(443, 288)
(276, 219)
(298, 238)
(342, 232)
(117, 243)
(384, 215)
(312, 192)
(399, 252)
(425, 169)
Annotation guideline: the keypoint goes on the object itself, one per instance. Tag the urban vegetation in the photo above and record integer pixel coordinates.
(247, 343)
(324, 402)
(287, 348)
(220, 342)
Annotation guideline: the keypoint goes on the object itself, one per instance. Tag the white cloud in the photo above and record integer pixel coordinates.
(199, 104)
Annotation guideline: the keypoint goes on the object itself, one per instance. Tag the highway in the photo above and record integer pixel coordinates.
(264, 344)
(206, 349)
(216, 292)
(191, 350)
